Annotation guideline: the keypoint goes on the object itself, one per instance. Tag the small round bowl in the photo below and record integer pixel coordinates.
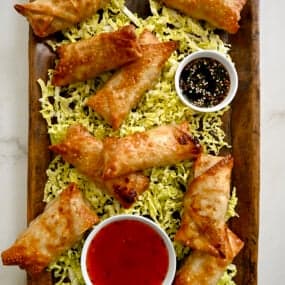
(169, 277)
(229, 66)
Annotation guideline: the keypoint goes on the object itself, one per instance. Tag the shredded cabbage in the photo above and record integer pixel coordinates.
(231, 212)
(227, 278)
(64, 106)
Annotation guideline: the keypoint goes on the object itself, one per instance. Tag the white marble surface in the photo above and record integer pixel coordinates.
(14, 134)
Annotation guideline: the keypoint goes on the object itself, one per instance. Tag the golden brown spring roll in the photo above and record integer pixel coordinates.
(60, 226)
(205, 162)
(222, 14)
(203, 225)
(203, 269)
(160, 146)
(125, 88)
(49, 16)
(146, 38)
(86, 59)
(84, 151)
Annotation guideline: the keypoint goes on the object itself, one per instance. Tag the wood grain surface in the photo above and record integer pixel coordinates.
(242, 125)
(40, 59)
(245, 128)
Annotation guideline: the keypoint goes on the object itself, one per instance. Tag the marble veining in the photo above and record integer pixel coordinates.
(277, 116)
(12, 147)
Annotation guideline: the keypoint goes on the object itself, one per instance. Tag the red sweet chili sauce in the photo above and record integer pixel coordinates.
(127, 252)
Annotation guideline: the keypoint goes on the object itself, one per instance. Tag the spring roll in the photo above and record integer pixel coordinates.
(85, 152)
(126, 87)
(203, 225)
(49, 16)
(222, 14)
(160, 146)
(88, 58)
(200, 268)
(204, 162)
(59, 227)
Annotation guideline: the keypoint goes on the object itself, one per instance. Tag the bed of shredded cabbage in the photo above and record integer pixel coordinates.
(64, 106)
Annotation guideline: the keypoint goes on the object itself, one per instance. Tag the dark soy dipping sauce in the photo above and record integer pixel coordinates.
(127, 252)
(205, 82)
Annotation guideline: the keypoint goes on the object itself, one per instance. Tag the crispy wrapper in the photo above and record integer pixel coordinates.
(223, 14)
(203, 226)
(85, 152)
(124, 89)
(59, 227)
(88, 58)
(160, 146)
(201, 268)
(49, 16)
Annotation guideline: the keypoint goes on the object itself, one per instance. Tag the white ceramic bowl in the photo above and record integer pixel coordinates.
(226, 63)
(171, 252)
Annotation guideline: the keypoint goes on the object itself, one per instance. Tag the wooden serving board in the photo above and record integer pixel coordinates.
(242, 125)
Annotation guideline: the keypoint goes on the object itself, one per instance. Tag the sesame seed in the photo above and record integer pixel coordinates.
(205, 82)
